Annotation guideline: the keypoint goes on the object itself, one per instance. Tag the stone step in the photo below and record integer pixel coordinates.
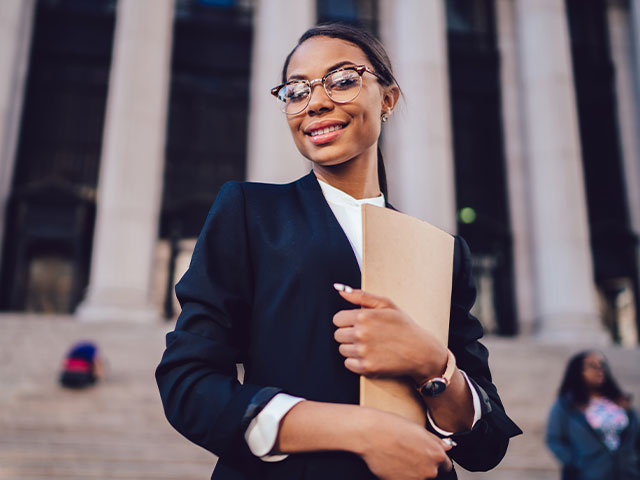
(117, 429)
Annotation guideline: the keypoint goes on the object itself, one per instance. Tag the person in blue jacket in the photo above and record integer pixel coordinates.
(274, 284)
(592, 429)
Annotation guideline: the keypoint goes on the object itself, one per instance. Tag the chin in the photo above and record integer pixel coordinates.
(327, 158)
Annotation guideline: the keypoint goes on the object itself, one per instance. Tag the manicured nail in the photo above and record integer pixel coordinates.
(449, 443)
(341, 287)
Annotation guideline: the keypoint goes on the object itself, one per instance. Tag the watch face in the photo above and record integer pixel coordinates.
(434, 387)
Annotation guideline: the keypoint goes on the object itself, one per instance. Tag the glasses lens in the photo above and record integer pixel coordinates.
(294, 97)
(343, 86)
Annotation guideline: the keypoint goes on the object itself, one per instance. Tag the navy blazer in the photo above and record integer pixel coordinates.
(259, 291)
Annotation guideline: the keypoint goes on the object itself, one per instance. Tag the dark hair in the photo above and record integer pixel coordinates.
(574, 388)
(374, 52)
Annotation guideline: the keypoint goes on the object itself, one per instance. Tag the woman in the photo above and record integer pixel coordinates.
(260, 291)
(592, 429)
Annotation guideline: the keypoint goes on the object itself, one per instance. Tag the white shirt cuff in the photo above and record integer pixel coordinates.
(262, 432)
(477, 411)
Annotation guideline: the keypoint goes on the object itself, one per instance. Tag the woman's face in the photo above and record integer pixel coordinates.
(358, 121)
(593, 370)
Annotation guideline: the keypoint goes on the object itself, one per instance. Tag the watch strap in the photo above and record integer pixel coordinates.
(436, 385)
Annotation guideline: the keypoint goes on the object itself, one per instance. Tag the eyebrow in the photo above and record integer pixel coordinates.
(330, 69)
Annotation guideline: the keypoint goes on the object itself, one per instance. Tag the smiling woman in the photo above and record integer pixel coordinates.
(274, 284)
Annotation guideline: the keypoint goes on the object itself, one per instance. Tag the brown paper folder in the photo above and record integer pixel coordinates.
(410, 262)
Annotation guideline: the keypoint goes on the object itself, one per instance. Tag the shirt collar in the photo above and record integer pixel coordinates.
(335, 195)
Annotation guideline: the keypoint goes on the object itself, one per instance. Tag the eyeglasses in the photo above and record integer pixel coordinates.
(342, 86)
(594, 366)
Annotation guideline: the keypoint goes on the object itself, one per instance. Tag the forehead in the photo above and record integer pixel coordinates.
(594, 357)
(318, 55)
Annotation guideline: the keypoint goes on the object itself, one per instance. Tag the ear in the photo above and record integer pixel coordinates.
(390, 97)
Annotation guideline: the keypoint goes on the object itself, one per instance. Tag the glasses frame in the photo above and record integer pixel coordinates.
(360, 69)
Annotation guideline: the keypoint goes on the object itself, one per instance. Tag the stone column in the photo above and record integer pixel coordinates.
(271, 154)
(516, 168)
(16, 22)
(628, 101)
(417, 138)
(563, 269)
(131, 166)
(634, 13)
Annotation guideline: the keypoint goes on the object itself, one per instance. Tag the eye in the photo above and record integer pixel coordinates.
(343, 80)
(294, 92)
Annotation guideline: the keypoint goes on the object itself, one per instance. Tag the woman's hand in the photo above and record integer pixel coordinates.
(395, 448)
(381, 340)
(392, 447)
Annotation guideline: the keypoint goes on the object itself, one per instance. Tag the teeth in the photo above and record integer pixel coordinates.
(322, 131)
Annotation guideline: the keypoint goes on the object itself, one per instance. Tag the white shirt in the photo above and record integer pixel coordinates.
(262, 432)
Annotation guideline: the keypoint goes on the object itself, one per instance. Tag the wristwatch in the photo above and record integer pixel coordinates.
(435, 386)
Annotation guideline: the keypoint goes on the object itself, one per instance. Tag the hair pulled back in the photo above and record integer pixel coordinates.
(373, 50)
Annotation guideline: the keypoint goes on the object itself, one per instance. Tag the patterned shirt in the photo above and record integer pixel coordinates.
(608, 419)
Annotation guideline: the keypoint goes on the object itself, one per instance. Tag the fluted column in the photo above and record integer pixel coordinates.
(131, 164)
(563, 270)
(417, 138)
(16, 23)
(271, 154)
(628, 102)
(515, 165)
(634, 6)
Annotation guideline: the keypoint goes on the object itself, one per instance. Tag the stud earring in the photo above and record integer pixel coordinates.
(384, 117)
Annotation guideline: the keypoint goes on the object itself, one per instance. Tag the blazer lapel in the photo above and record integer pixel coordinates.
(343, 263)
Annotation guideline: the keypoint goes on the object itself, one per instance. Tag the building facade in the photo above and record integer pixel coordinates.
(519, 129)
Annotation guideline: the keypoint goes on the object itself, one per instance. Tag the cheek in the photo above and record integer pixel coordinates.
(296, 133)
(367, 119)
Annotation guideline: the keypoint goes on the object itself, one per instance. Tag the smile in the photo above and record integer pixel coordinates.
(322, 131)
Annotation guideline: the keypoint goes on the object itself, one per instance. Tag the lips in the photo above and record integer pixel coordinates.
(324, 132)
(323, 127)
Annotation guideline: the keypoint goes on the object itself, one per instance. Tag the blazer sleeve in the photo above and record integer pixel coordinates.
(197, 375)
(485, 445)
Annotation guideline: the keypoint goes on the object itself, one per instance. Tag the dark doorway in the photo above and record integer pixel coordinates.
(483, 216)
(363, 13)
(208, 109)
(51, 208)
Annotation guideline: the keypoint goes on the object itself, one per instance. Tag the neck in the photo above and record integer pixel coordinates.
(357, 177)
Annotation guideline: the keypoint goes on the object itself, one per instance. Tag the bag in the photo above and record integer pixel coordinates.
(79, 369)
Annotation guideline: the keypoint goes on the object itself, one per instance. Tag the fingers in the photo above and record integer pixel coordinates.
(355, 365)
(345, 335)
(349, 350)
(448, 443)
(345, 318)
(353, 361)
(362, 298)
(447, 465)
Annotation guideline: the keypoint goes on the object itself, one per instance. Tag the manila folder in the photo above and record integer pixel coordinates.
(411, 263)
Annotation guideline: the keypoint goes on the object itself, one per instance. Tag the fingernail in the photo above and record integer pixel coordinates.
(449, 443)
(341, 287)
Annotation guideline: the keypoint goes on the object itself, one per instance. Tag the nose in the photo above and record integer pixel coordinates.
(319, 101)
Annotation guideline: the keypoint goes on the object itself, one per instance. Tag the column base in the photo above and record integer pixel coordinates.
(112, 307)
(573, 329)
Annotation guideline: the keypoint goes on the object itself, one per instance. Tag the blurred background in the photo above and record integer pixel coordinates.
(121, 119)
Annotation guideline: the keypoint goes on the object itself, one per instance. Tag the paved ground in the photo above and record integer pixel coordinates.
(117, 430)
